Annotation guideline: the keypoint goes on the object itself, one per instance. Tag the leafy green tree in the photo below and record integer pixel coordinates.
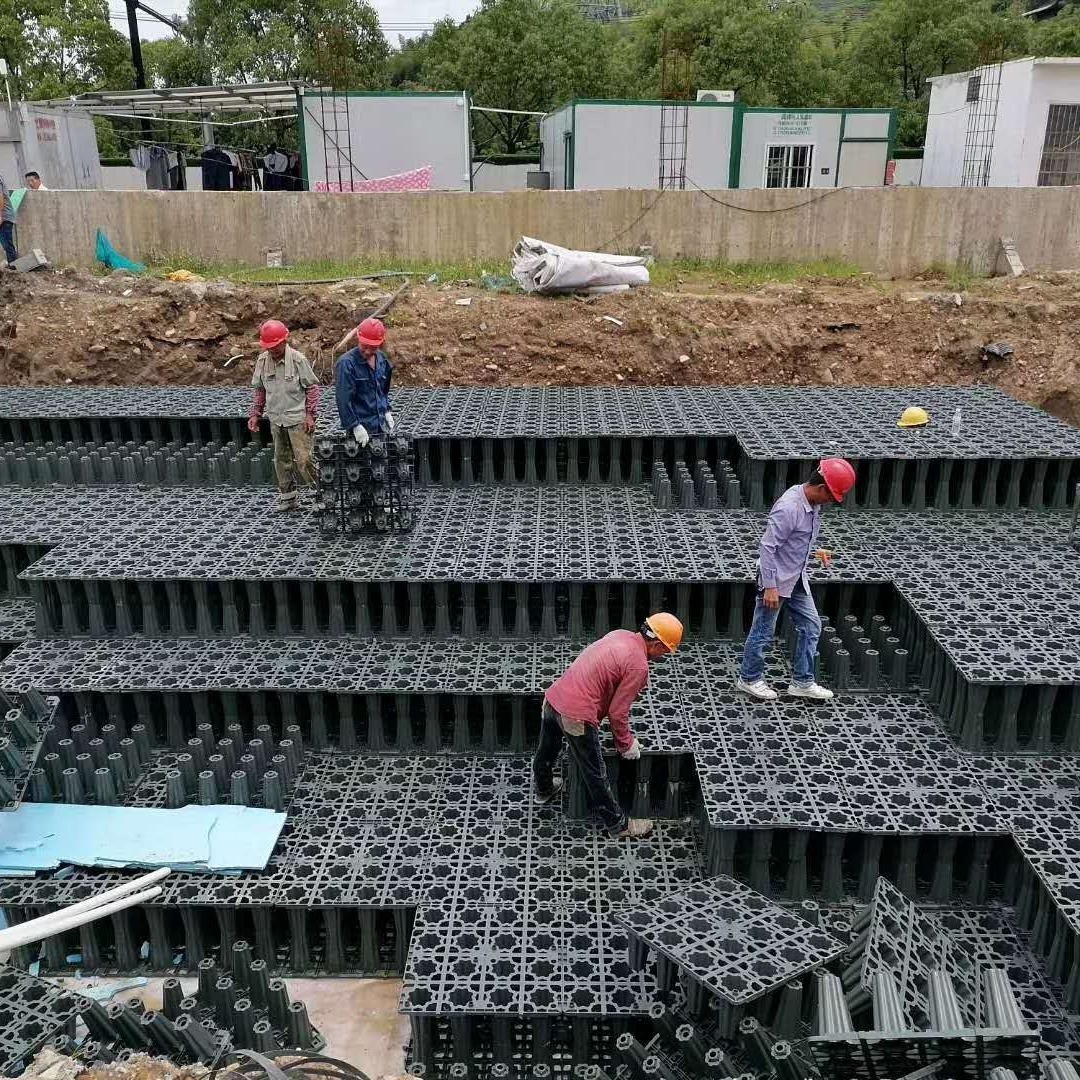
(518, 54)
(60, 47)
(1059, 36)
(752, 46)
(905, 42)
(175, 61)
(267, 40)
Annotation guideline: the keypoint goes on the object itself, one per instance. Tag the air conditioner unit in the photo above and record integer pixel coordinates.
(727, 96)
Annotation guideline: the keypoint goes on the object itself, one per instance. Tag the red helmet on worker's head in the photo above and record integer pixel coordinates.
(371, 332)
(272, 333)
(839, 476)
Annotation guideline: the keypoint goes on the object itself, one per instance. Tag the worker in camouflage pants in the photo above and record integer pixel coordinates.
(287, 392)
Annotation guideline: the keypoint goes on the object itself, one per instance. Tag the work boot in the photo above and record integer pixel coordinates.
(813, 692)
(284, 505)
(543, 800)
(636, 828)
(760, 690)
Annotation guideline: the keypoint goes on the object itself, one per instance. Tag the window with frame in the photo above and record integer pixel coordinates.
(1060, 164)
(789, 165)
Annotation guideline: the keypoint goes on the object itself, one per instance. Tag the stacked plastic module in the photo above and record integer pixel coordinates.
(191, 634)
(23, 728)
(364, 489)
(738, 953)
(969, 1048)
(32, 1012)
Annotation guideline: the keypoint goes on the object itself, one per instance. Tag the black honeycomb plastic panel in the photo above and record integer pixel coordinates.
(733, 941)
(32, 1011)
(367, 840)
(16, 621)
(910, 943)
(363, 489)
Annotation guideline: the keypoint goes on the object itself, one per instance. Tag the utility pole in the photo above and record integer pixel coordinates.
(136, 44)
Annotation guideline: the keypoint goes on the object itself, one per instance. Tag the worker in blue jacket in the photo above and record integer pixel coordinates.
(362, 384)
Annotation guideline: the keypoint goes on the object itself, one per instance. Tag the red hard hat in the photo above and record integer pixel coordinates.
(272, 333)
(371, 332)
(839, 476)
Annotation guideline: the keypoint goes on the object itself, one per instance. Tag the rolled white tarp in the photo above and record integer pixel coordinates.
(540, 267)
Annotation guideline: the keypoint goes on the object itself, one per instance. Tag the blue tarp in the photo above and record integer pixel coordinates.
(220, 839)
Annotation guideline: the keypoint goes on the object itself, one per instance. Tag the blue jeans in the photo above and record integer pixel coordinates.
(800, 606)
(585, 756)
(7, 239)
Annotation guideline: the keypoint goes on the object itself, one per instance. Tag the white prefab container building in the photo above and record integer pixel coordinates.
(618, 144)
(1015, 124)
(384, 135)
(60, 144)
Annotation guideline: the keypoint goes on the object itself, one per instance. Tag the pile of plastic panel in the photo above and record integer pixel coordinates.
(364, 489)
(375, 667)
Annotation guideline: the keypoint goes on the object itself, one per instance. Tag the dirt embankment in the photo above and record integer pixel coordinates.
(69, 327)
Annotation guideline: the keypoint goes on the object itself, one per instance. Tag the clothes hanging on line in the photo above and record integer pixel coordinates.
(154, 161)
(216, 169)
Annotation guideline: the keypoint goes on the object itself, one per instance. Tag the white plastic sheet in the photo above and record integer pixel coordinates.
(541, 267)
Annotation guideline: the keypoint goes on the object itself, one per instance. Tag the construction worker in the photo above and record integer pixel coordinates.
(287, 391)
(604, 680)
(362, 383)
(7, 226)
(786, 547)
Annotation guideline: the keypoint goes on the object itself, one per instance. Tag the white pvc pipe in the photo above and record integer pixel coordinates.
(39, 929)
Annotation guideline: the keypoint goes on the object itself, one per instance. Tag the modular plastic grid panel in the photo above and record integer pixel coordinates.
(32, 1011)
(363, 489)
(735, 942)
(369, 839)
(910, 943)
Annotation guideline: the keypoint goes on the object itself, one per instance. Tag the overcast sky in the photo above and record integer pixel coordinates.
(398, 17)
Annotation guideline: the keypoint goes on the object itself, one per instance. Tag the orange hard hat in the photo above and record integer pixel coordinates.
(839, 476)
(272, 333)
(667, 628)
(371, 332)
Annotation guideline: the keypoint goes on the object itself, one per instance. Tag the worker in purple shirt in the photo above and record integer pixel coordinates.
(785, 552)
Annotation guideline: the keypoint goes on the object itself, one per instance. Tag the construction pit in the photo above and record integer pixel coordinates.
(878, 886)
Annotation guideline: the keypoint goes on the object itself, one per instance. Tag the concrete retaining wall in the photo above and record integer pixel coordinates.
(893, 231)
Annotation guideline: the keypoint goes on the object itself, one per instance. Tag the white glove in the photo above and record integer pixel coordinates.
(360, 434)
(632, 752)
(389, 423)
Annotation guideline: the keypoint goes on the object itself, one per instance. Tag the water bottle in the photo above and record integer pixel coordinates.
(956, 423)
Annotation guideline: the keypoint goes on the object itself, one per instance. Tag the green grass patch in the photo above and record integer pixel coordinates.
(750, 275)
(161, 265)
(663, 273)
(958, 276)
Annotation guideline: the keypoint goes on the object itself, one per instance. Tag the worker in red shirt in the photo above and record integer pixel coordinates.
(604, 680)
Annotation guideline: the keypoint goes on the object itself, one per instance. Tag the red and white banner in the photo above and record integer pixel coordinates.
(413, 180)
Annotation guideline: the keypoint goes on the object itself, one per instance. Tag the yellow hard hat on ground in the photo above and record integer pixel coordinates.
(667, 628)
(913, 416)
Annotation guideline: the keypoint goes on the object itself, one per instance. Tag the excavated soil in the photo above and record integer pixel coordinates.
(74, 328)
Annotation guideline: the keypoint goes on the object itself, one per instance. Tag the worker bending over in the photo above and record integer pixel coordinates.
(786, 547)
(604, 680)
(287, 391)
(362, 383)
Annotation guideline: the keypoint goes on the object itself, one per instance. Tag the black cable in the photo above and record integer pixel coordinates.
(623, 232)
(767, 209)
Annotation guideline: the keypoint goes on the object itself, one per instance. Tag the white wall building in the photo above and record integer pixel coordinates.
(385, 134)
(618, 144)
(60, 144)
(1015, 124)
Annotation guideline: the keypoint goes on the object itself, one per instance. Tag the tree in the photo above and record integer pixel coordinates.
(176, 62)
(1059, 36)
(905, 42)
(404, 68)
(526, 55)
(752, 46)
(269, 40)
(60, 47)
